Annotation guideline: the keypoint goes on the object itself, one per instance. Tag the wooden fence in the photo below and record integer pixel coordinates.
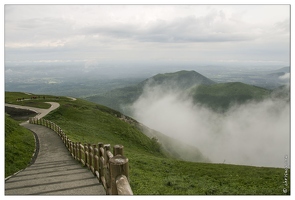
(111, 169)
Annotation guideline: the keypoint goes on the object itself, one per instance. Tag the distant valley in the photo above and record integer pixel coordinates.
(82, 82)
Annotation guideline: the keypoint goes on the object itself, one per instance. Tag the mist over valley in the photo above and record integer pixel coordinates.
(255, 132)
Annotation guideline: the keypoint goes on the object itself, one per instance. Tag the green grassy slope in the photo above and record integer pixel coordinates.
(151, 170)
(19, 146)
(91, 123)
(221, 96)
(117, 97)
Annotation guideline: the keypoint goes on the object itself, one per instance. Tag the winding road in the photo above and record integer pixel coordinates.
(54, 172)
(41, 112)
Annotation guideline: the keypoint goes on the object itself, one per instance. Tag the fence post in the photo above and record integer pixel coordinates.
(101, 161)
(118, 166)
(65, 139)
(79, 151)
(86, 154)
(107, 177)
(61, 135)
(74, 150)
(71, 147)
(95, 155)
(90, 153)
(93, 161)
(123, 186)
(118, 149)
(69, 144)
(107, 147)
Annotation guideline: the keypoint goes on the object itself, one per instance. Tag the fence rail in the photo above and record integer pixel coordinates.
(111, 169)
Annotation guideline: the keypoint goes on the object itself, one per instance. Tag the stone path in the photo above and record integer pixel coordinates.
(54, 171)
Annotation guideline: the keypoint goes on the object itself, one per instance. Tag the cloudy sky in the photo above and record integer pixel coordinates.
(92, 34)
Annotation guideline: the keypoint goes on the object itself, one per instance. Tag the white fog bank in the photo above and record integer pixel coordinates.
(255, 134)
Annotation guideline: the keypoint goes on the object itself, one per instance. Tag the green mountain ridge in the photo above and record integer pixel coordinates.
(181, 80)
(217, 96)
(220, 97)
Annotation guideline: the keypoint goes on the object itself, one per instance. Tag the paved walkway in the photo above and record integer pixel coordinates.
(41, 112)
(54, 171)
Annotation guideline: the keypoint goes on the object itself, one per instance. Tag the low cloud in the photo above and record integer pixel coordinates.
(284, 77)
(250, 134)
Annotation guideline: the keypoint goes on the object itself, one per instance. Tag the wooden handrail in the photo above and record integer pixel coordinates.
(111, 169)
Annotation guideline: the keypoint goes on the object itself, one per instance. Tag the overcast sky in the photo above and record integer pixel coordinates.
(94, 34)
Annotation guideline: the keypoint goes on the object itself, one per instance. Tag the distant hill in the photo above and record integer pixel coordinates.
(220, 96)
(181, 80)
(275, 78)
(278, 73)
(283, 69)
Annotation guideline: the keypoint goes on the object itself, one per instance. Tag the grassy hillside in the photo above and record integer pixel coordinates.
(221, 96)
(151, 170)
(19, 146)
(117, 97)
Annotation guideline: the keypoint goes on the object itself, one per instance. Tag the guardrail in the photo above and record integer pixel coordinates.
(111, 169)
